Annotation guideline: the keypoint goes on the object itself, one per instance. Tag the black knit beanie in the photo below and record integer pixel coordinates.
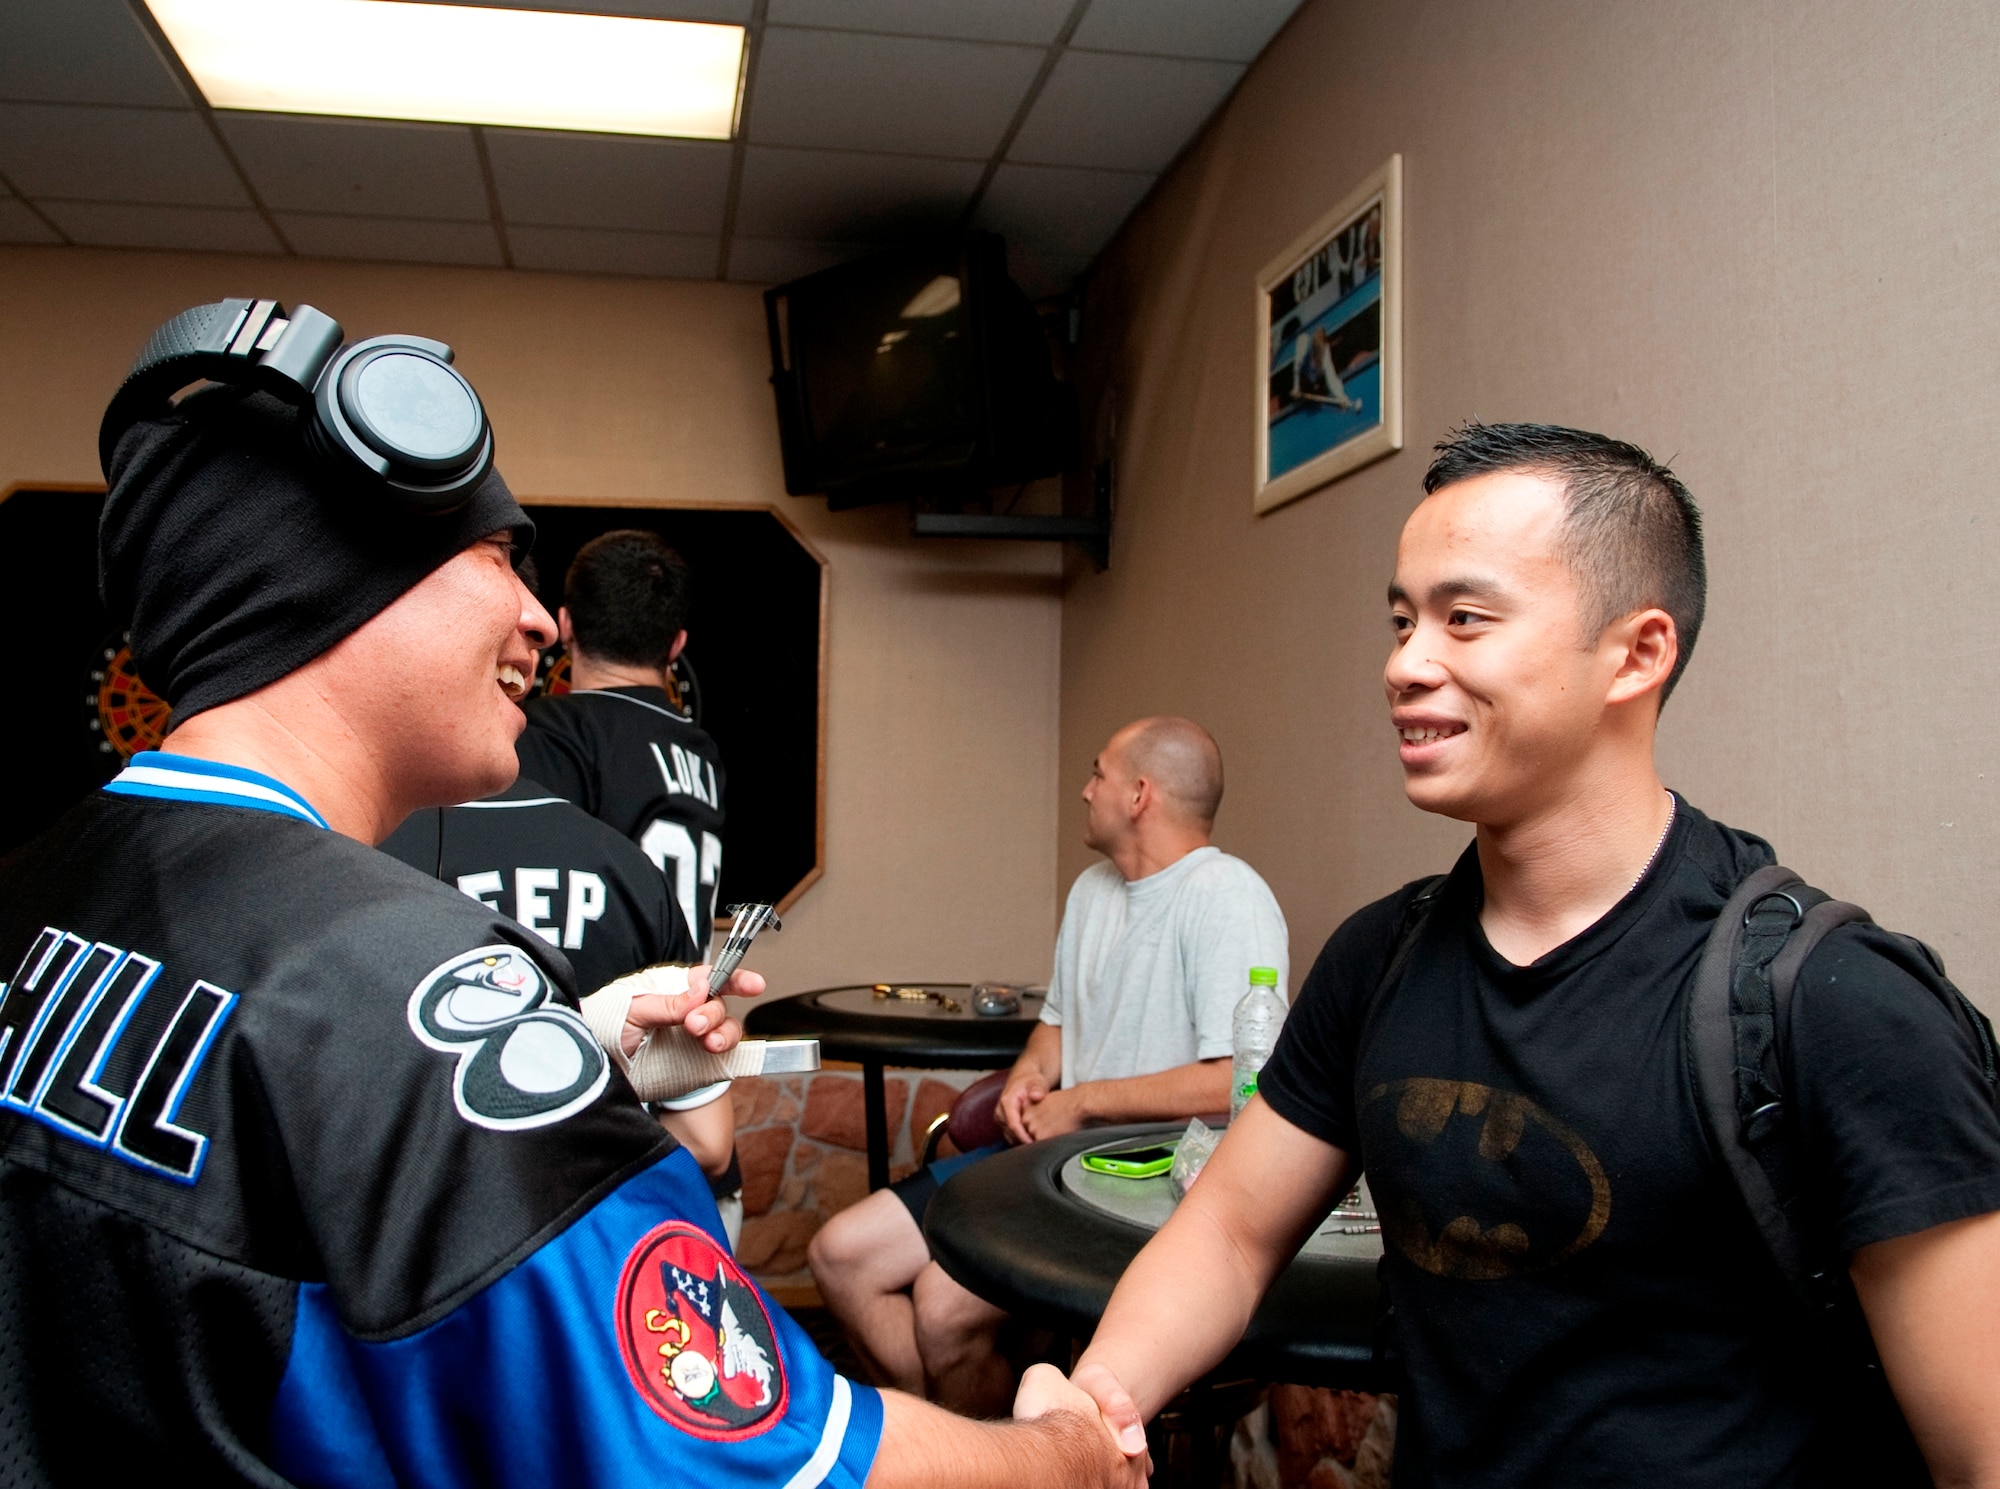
(234, 557)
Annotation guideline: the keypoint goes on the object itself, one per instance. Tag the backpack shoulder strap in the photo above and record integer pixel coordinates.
(1416, 915)
(1736, 1022)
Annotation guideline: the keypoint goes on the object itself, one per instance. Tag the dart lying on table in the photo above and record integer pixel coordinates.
(670, 1063)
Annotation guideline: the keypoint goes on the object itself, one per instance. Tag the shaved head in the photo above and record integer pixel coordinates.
(1180, 758)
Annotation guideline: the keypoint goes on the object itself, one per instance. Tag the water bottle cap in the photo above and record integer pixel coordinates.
(1263, 977)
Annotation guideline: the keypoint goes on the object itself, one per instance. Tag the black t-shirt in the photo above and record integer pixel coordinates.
(311, 1173)
(629, 758)
(1580, 1296)
(564, 875)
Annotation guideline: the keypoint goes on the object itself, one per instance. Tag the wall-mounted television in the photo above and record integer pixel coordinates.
(914, 374)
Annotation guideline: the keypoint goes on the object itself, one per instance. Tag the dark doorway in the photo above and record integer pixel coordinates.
(55, 749)
(754, 652)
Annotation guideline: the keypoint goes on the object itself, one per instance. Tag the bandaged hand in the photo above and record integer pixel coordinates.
(666, 1031)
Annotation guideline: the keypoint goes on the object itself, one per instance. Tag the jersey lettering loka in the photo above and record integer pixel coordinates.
(560, 872)
(628, 757)
(1580, 1297)
(310, 1173)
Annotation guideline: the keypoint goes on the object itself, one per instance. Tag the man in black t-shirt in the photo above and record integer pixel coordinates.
(1579, 1295)
(617, 744)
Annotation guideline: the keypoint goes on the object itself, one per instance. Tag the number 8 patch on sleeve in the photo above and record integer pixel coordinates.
(697, 1340)
(524, 1060)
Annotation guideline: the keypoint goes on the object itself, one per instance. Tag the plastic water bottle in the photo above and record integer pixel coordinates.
(1254, 1035)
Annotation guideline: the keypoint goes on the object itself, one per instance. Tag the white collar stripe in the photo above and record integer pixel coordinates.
(628, 698)
(167, 783)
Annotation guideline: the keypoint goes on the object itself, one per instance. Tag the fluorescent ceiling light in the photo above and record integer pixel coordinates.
(460, 64)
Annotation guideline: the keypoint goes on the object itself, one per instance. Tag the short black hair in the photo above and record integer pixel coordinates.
(628, 597)
(1631, 533)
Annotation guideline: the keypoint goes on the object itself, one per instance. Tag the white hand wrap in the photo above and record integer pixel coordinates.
(669, 1062)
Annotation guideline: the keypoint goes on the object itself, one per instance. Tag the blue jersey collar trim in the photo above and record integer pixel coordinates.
(165, 777)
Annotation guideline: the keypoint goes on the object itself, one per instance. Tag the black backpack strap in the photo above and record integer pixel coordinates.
(1416, 915)
(1732, 1033)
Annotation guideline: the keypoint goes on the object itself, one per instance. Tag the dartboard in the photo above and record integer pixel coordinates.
(124, 714)
(683, 689)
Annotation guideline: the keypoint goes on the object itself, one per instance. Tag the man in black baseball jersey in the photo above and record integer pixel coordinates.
(1581, 1297)
(617, 744)
(311, 1172)
(556, 869)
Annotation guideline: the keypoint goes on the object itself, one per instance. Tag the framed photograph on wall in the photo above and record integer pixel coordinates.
(1330, 344)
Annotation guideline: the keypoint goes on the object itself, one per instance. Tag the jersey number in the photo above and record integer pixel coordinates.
(695, 877)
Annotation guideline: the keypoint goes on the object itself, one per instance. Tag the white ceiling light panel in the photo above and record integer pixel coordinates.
(461, 64)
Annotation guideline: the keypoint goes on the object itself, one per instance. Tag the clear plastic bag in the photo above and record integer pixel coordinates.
(1195, 1145)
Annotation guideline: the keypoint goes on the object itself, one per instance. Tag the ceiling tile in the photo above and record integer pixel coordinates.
(1230, 30)
(841, 91)
(1035, 22)
(1129, 113)
(736, 11)
(19, 225)
(366, 166)
(586, 251)
(394, 238)
(114, 155)
(123, 225)
(839, 198)
(596, 180)
(1058, 209)
(81, 51)
(781, 260)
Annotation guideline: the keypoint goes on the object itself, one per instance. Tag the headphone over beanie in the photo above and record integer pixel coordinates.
(234, 557)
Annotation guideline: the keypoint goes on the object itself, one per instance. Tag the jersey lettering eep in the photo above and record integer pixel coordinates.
(572, 880)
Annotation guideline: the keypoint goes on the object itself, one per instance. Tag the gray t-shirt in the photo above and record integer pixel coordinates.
(1149, 973)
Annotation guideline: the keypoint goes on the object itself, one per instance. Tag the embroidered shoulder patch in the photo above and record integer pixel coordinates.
(524, 1060)
(697, 1340)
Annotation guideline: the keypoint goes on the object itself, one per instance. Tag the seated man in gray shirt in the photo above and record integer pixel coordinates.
(1155, 950)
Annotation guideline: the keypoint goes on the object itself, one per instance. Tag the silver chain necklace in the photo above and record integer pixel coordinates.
(1673, 808)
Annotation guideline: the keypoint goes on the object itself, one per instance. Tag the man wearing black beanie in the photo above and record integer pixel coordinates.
(310, 1171)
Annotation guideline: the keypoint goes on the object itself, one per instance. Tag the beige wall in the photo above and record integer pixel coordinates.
(1761, 239)
(940, 822)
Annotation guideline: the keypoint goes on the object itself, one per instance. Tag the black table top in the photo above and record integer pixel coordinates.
(1008, 1229)
(852, 1024)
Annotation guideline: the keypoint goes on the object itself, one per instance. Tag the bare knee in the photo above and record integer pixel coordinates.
(873, 1246)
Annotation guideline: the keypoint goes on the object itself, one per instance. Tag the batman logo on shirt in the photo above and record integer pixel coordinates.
(1479, 1183)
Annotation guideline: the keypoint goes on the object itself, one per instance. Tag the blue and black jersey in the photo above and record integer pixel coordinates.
(631, 759)
(310, 1173)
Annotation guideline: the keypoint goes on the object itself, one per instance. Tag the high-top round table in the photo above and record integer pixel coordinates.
(851, 1023)
(1032, 1231)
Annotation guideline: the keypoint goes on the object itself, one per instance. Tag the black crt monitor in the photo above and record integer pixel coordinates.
(913, 371)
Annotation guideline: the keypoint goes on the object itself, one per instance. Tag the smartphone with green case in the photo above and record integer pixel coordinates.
(1132, 1163)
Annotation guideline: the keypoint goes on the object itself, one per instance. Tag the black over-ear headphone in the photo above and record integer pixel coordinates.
(390, 408)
